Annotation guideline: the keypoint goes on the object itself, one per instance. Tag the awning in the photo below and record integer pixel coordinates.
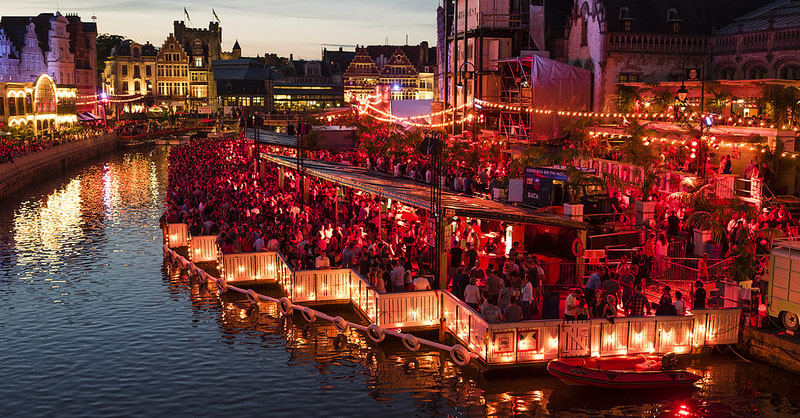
(417, 194)
(83, 118)
(92, 115)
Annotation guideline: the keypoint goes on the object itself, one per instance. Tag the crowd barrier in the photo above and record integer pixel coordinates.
(493, 344)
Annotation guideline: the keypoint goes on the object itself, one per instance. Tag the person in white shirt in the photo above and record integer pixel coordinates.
(421, 283)
(322, 261)
(571, 305)
(680, 305)
(472, 294)
(258, 244)
(527, 298)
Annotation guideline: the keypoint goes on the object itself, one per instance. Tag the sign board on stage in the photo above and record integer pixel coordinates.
(204, 110)
(594, 256)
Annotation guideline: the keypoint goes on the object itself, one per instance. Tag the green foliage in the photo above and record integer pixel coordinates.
(782, 103)
(718, 100)
(105, 43)
(627, 98)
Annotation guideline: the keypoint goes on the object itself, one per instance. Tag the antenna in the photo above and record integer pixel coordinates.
(406, 39)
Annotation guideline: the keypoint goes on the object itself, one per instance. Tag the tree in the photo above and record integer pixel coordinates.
(718, 101)
(781, 103)
(105, 44)
(627, 98)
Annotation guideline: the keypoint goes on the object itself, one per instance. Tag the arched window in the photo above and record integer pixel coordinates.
(757, 73)
(790, 72)
(727, 73)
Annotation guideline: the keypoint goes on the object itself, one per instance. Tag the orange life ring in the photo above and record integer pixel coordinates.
(577, 247)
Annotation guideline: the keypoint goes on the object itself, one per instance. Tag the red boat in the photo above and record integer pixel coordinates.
(623, 372)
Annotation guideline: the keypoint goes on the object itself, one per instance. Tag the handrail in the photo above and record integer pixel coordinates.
(531, 341)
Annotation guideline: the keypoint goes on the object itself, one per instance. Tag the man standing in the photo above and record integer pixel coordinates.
(322, 261)
(637, 303)
(398, 277)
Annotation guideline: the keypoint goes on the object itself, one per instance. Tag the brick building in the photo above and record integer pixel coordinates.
(61, 46)
(638, 43)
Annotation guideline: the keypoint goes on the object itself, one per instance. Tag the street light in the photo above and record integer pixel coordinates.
(466, 75)
(682, 92)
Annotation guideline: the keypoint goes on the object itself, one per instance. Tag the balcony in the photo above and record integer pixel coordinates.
(657, 43)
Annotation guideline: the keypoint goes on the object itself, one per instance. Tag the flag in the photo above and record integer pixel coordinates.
(187, 15)
(214, 12)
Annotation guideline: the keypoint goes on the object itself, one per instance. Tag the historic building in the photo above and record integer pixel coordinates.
(643, 43)
(61, 46)
(131, 69)
(408, 71)
(762, 44)
(172, 74)
(40, 105)
(202, 46)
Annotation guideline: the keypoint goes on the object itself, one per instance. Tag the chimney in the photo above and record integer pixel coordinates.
(291, 57)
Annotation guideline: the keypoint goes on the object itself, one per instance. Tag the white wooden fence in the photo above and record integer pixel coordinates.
(496, 343)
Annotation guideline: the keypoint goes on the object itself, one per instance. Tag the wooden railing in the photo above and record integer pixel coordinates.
(203, 248)
(493, 343)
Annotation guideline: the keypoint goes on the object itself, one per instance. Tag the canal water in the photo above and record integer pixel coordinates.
(93, 323)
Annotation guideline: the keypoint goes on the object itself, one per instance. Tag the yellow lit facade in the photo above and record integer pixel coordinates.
(40, 105)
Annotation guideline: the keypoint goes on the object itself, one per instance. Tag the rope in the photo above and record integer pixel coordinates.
(458, 353)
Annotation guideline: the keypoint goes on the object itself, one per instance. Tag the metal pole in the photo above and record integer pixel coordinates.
(455, 64)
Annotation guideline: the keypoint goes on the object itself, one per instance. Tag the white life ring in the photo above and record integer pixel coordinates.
(309, 314)
(411, 342)
(376, 333)
(340, 324)
(460, 355)
(285, 306)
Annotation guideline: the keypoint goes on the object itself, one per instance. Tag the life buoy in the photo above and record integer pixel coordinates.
(577, 247)
(411, 342)
(340, 324)
(285, 306)
(375, 333)
(460, 355)
(309, 314)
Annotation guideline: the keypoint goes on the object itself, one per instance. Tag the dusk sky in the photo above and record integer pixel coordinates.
(300, 27)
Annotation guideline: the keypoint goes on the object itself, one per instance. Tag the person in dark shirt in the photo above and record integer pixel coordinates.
(638, 303)
(673, 224)
(456, 253)
(699, 296)
(460, 282)
(472, 256)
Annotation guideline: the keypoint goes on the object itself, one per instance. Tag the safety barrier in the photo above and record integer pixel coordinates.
(256, 267)
(203, 249)
(177, 235)
(493, 344)
(374, 331)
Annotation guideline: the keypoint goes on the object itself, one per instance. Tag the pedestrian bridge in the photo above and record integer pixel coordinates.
(490, 344)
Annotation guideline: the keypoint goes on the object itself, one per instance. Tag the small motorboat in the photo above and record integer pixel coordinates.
(622, 372)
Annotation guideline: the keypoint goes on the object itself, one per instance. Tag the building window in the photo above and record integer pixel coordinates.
(148, 70)
(790, 73)
(757, 73)
(626, 25)
(675, 26)
(124, 70)
(125, 87)
(673, 20)
(727, 74)
(136, 72)
(198, 61)
(136, 86)
(584, 35)
(628, 78)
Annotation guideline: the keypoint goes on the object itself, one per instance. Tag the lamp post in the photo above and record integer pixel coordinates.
(464, 76)
(683, 94)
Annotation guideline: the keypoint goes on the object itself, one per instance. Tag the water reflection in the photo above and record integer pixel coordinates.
(129, 336)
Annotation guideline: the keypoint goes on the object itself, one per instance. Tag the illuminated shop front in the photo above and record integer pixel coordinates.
(41, 105)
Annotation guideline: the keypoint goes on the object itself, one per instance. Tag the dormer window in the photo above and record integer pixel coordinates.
(625, 19)
(673, 21)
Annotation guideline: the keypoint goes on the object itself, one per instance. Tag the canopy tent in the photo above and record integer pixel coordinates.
(407, 108)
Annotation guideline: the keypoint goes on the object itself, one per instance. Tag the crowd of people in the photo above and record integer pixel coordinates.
(12, 146)
(215, 189)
